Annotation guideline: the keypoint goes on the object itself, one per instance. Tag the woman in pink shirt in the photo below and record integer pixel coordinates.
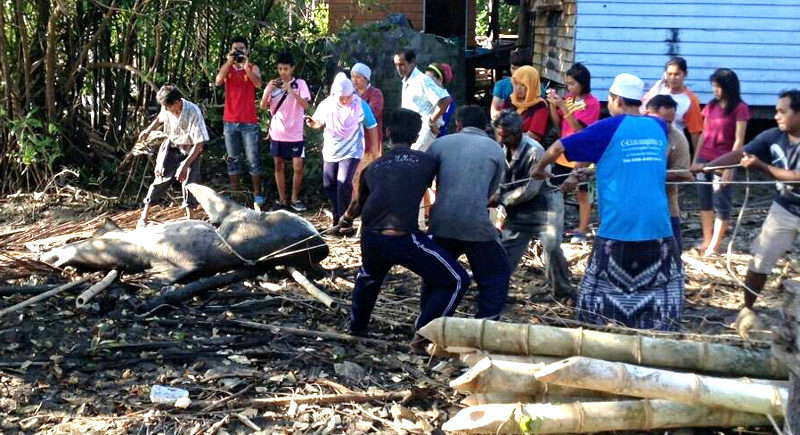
(578, 109)
(725, 123)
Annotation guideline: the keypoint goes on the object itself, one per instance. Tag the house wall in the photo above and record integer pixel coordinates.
(553, 35)
(759, 39)
(343, 10)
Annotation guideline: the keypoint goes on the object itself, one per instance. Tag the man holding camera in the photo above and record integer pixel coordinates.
(241, 78)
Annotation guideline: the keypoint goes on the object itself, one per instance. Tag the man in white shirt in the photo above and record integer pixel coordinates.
(422, 95)
(179, 156)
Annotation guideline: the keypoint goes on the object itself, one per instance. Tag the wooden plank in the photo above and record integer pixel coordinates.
(662, 34)
(638, 57)
(655, 10)
(789, 24)
(756, 51)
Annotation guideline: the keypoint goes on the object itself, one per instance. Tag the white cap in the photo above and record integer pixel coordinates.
(627, 86)
(362, 69)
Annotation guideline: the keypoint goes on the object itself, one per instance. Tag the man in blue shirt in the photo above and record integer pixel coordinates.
(634, 276)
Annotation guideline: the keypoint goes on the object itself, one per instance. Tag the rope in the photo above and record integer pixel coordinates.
(736, 231)
(273, 254)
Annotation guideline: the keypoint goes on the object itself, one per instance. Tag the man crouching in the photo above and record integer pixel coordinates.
(388, 201)
(179, 156)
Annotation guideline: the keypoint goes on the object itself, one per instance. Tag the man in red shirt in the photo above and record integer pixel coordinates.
(241, 79)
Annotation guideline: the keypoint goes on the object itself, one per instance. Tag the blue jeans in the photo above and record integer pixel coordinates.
(489, 266)
(445, 281)
(237, 137)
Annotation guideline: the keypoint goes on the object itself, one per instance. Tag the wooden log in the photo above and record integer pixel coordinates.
(309, 286)
(528, 339)
(594, 417)
(490, 398)
(470, 359)
(493, 376)
(94, 290)
(44, 295)
(787, 348)
(646, 382)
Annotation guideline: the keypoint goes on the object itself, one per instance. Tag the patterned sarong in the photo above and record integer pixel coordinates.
(636, 284)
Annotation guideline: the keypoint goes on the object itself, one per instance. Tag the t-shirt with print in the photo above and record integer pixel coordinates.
(286, 124)
(631, 157)
(588, 115)
(420, 94)
(335, 149)
(719, 129)
(773, 148)
(240, 97)
(187, 130)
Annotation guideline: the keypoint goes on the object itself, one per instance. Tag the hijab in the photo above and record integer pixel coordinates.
(529, 77)
(342, 121)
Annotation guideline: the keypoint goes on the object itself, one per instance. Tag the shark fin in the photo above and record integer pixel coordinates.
(108, 226)
(216, 207)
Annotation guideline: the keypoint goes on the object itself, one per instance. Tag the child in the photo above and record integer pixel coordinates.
(287, 98)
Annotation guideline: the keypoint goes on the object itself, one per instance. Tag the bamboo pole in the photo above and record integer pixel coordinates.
(472, 358)
(645, 382)
(526, 339)
(594, 417)
(309, 286)
(94, 290)
(495, 376)
(45, 295)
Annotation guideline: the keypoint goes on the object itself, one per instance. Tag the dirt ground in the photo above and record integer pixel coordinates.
(69, 370)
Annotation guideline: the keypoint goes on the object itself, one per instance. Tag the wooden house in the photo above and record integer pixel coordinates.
(759, 39)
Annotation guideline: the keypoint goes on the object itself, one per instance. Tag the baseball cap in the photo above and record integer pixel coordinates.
(627, 86)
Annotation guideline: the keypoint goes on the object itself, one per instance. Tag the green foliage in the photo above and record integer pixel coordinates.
(37, 141)
(508, 17)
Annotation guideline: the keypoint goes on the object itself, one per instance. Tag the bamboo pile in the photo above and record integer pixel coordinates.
(518, 382)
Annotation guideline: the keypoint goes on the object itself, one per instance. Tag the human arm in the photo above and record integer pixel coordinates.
(313, 123)
(301, 93)
(149, 129)
(694, 120)
(752, 162)
(521, 192)
(540, 172)
(440, 109)
(555, 104)
(497, 107)
(678, 156)
(741, 127)
(252, 71)
(183, 168)
(357, 204)
(222, 74)
(266, 97)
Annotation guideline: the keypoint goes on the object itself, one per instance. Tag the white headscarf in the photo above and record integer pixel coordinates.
(362, 69)
(342, 86)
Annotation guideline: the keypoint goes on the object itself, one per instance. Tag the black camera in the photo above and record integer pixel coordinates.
(238, 56)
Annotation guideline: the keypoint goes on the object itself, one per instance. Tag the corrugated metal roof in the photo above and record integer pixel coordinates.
(759, 39)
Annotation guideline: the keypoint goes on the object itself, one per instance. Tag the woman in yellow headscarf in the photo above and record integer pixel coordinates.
(527, 100)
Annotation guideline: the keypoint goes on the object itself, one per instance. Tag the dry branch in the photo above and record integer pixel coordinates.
(309, 286)
(527, 339)
(594, 417)
(645, 382)
(45, 295)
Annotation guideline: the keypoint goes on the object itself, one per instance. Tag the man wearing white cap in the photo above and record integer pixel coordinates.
(634, 276)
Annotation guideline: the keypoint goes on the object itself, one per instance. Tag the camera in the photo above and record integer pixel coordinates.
(238, 56)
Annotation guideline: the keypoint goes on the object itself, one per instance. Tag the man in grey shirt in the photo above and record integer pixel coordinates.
(471, 165)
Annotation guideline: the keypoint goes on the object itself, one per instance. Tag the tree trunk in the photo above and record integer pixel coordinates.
(11, 99)
(25, 64)
(50, 63)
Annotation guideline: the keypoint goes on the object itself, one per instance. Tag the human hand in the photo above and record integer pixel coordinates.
(494, 200)
(570, 183)
(727, 176)
(433, 126)
(231, 58)
(182, 173)
(143, 136)
(697, 168)
(553, 98)
(751, 161)
(540, 173)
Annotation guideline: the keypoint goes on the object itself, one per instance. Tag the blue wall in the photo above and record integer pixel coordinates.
(758, 39)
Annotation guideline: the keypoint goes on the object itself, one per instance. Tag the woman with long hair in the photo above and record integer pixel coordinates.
(577, 110)
(726, 117)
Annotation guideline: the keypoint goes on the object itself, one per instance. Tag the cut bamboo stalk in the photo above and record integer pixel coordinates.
(94, 290)
(472, 358)
(490, 398)
(526, 339)
(44, 295)
(646, 382)
(309, 286)
(492, 376)
(594, 417)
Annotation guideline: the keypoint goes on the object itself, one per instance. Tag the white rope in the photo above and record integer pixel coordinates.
(272, 255)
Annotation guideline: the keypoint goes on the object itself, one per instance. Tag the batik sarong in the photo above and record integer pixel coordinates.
(635, 284)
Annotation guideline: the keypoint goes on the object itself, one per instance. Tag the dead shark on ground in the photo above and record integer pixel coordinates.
(182, 251)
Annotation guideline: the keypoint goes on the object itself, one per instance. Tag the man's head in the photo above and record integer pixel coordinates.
(519, 58)
(405, 59)
(404, 126)
(625, 94)
(285, 66)
(170, 97)
(662, 106)
(470, 116)
(675, 71)
(239, 43)
(508, 128)
(787, 111)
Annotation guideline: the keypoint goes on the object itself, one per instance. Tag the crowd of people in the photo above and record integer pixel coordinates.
(494, 184)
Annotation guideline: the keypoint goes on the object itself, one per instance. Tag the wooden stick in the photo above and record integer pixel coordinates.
(529, 339)
(594, 417)
(94, 290)
(44, 295)
(275, 329)
(309, 286)
(645, 382)
(328, 399)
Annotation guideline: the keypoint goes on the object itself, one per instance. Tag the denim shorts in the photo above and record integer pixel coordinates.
(243, 140)
(714, 196)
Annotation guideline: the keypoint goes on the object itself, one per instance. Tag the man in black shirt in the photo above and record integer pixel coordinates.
(777, 153)
(388, 201)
